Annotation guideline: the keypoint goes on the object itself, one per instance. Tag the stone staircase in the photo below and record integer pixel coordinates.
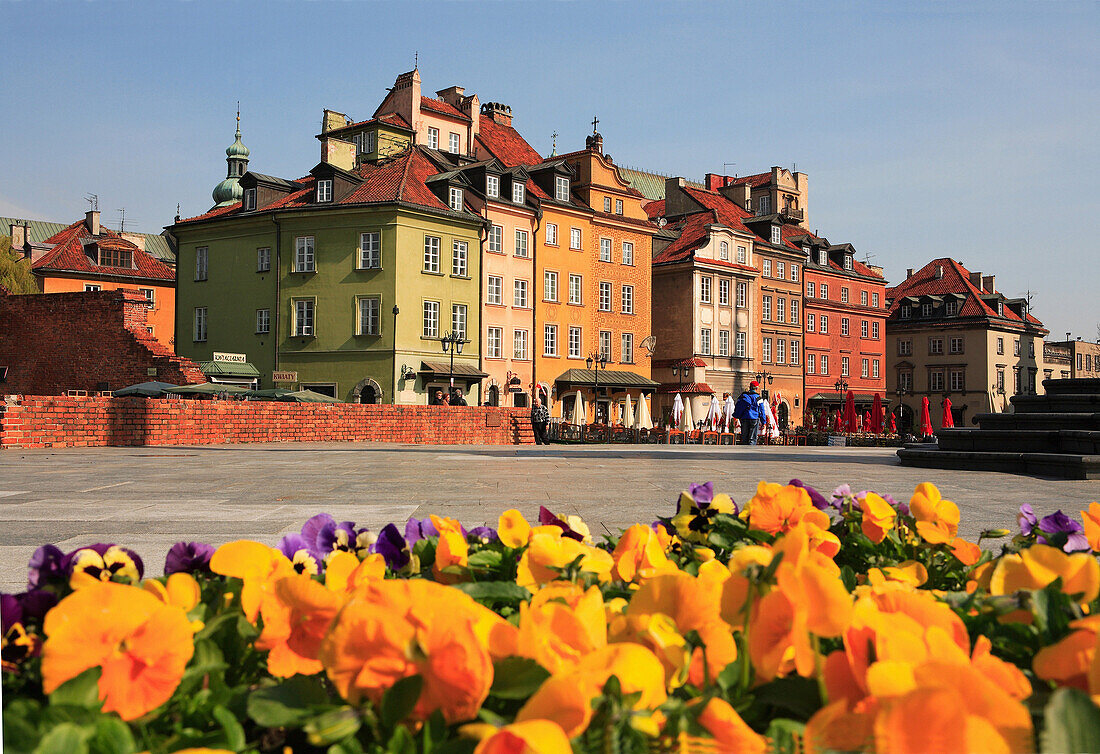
(1054, 435)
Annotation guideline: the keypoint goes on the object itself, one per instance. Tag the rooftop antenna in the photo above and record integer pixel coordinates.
(122, 219)
(868, 256)
(93, 201)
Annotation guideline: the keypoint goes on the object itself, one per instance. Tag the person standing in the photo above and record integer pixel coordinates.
(540, 417)
(751, 412)
(456, 398)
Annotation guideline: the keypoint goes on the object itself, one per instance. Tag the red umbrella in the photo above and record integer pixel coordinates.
(837, 422)
(948, 419)
(925, 418)
(850, 413)
(822, 420)
(866, 421)
(878, 415)
(893, 425)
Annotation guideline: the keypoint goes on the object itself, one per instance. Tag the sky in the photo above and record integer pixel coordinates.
(967, 130)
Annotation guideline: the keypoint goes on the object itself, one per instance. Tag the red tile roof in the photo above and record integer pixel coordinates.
(392, 119)
(756, 181)
(68, 255)
(654, 209)
(694, 361)
(506, 144)
(441, 107)
(687, 387)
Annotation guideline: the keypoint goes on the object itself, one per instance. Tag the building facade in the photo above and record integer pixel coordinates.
(951, 334)
(1071, 359)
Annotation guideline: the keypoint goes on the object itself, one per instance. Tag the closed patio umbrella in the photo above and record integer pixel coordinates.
(893, 424)
(850, 413)
(677, 409)
(309, 396)
(628, 412)
(578, 418)
(822, 420)
(948, 418)
(642, 418)
(687, 422)
(877, 415)
(714, 416)
(728, 412)
(925, 418)
(838, 422)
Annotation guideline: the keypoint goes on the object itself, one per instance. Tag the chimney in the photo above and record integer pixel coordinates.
(714, 182)
(939, 272)
(976, 280)
(452, 95)
(497, 112)
(18, 238)
(137, 239)
(594, 142)
(91, 221)
(676, 200)
(738, 193)
(908, 273)
(331, 120)
(987, 283)
(338, 152)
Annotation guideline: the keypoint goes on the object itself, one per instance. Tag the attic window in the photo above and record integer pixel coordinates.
(249, 199)
(950, 308)
(847, 261)
(324, 190)
(115, 257)
(926, 309)
(906, 311)
(492, 186)
(777, 234)
(456, 199)
(517, 192)
(561, 189)
(823, 257)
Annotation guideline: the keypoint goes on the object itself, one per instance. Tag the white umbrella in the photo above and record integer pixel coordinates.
(578, 411)
(728, 411)
(677, 409)
(687, 423)
(714, 416)
(641, 416)
(628, 412)
(773, 430)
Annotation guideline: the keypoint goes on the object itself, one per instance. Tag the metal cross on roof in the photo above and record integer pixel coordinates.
(595, 122)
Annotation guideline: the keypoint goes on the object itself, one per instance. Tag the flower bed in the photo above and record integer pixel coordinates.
(793, 621)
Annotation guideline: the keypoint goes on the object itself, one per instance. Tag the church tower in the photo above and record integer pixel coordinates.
(229, 191)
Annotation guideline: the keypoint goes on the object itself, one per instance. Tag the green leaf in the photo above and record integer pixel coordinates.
(347, 746)
(399, 701)
(66, 738)
(489, 559)
(786, 736)
(20, 729)
(1072, 723)
(517, 678)
(82, 691)
(800, 697)
(234, 732)
(498, 591)
(112, 736)
(289, 704)
(401, 742)
(332, 726)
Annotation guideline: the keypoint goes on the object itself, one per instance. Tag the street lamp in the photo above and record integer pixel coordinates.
(597, 360)
(452, 342)
(765, 378)
(678, 372)
(396, 311)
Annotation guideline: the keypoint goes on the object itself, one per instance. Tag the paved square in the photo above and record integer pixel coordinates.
(150, 498)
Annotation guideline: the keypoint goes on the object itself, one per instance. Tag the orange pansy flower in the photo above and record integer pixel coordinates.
(937, 519)
(549, 550)
(722, 722)
(513, 529)
(451, 552)
(296, 619)
(640, 555)
(257, 565)
(529, 737)
(1039, 565)
(560, 625)
(878, 517)
(1091, 520)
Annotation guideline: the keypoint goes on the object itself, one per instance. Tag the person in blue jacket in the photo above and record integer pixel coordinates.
(752, 414)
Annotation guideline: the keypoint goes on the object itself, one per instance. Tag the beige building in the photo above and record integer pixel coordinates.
(1076, 359)
(951, 334)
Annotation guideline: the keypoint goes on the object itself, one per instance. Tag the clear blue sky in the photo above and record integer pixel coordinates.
(950, 129)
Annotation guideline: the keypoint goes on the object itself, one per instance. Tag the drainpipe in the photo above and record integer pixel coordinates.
(534, 308)
(278, 269)
(481, 238)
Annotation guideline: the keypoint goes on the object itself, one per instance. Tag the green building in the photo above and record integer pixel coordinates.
(344, 281)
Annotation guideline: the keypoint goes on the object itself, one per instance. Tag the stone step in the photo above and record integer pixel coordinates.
(1077, 386)
(1038, 421)
(1074, 403)
(1020, 441)
(1057, 465)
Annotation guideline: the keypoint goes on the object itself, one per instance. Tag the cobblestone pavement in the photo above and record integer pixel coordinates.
(149, 498)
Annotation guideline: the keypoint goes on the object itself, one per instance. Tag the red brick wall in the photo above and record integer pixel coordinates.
(75, 341)
(64, 421)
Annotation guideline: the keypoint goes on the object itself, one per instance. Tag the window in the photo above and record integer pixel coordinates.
(456, 199)
(627, 299)
(824, 364)
(150, 297)
(370, 315)
(618, 206)
(809, 322)
(823, 260)
(368, 142)
(723, 342)
(303, 318)
(454, 143)
(550, 340)
(739, 345)
(496, 239)
(863, 298)
(844, 295)
(200, 324)
(767, 271)
(864, 368)
(1000, 346)
(574, 238)
(905, 381)
(906, 311)
(628, 253)
(552, 234)
(811, 363)
(742, 255)
(561, 188)
(824, 322)
(780, 309)
(777, 235)
(794, 351)
(370, 250)
(304, 260)
(874, 300)
(724, 251)
(1000, 379)
(249, 199)
(742, 294)
(519, 345)
(431, 319)
(494, 290)
(1016, 347)
(874, 369)
(626, 355)
(433, 138)
(905, 347)
(780, 351)
(202, 254)
(824, 291)
(1016, 380)
(935, 380)
(605, 297)
(1031, 351)
(957, 381)
(810, 289)
(605, 249)
(780, 270)
(843, 366)
(458, 320)
(766, 354)
(863, 328)
(494, 343)
(955, 345)
(263, 321)
(723, 292)
(605, 344)
(518, 192)
(459, 251)
(431, 254)
(575, 288)
(935, 345)
(492, 186)
(549, 286)
(763, 205)
(263, 260)
(874, 330)
(521, 243)
(574, 342)
(607, 204)
(926, 309)
(704, 341)
(794, 273)
(324, 190)
(847, 261)
(704, 290)
(794, 311)
(766, 308)
(519, 294)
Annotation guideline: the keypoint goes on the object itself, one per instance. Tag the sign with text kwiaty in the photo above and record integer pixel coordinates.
(284, 376)
(230, 358)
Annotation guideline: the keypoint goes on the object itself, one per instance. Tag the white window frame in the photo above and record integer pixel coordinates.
(724, 251)
(874, 369)
(811, 363)
(263, 321)
(844, 326)
(618, 206)
(607, 204)
(494, 343)
(823, 324)
(518, 192)
(864, 368)
(766, 351)
(249, 200)
(626, 295)
(705, 283)
(780, 309)
(844, 364)
(433, 138)
(575, 240)
(628, 253)
(454, 143)
(519, 345)
(742, 295)
(874, 300)
(305, 254)
(794, 273)
(551, 234)
(522, 249)
(520, 299)
(324, 190)
(780, 351)
(823, 259)
(369, 315)
(863, 298)
(605, 249)
(494, 290)
(432, 253)
(794, 311)
(455, 199)
(605, 344)
(550, 286)
(766, 308)
(459, 319)
(824, 364)
(460, 259)
(605, 296)
(723, 292)
(492, 186)
(723, 342)
(304, 316)
(777, 235)
(780, 270)
(370, 250)
(766, 268)
(550, 340)
(263, 259)
(576, 286)
(739, 345)
(847, 261)
(429, 326)
(811, 289)
(742, 255)
(202, 263)
(844, 295)
(626, 348)
(794, 352)
(561, 188)
(952, 345)
(874, 331)
(496, 239)
(575, 340)
(809, 321)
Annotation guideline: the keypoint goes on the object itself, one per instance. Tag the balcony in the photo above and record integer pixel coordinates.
(790, 213)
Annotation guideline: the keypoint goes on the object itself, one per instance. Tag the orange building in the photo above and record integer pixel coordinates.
(86, 256)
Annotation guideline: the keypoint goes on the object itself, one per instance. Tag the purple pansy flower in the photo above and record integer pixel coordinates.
(418, 529)
(702, 494)
(392, 547)
(36, 603)
(816, 497)
(292, 543)
(484, 534)
(11, 611)
(1027, 519)
(337, 536)
(188, 557)
(45, 566)
(546, 518)
(1059, 523)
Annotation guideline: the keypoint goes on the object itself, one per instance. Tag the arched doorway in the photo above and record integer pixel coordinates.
(784, 416)
(366, 391)
(494, 395)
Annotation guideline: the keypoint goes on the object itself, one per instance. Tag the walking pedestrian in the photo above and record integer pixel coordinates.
(540, 417)
(752, 413)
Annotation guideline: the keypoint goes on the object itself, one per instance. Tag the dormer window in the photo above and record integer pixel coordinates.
(806, 251)
(847, 261)
(517, 192)
(453, 144)
(1000, 308)
(115, 257)
(492, 186)
(906, 311)
(777, 234)
(724, 251)
(926, 309)
(950, 308)
(249, 199)
(456, 199)
(324, 190)
(433, 138)
(561, 189)
(823, 257)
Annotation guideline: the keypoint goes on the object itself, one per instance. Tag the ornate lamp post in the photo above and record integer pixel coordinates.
(765, 378)
(597, 361)
(452, 342)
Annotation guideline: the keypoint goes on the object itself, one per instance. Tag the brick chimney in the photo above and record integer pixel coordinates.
(987, 283)
(908, 273)
(594, 142)
(91, 221)
(137, 239)
(714, 182)
(976, 280)
(331, 120)
(19, 238)
(738, 193)
(452, 95)
(497, 112)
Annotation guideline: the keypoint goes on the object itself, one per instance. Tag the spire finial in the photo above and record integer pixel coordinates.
(554, 142)
(595, 122)
(238, 119)
(416, 59)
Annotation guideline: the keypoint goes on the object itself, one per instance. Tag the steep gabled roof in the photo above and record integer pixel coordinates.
(389, 119)
(441, 107)
(69, 255)
(756, 181)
